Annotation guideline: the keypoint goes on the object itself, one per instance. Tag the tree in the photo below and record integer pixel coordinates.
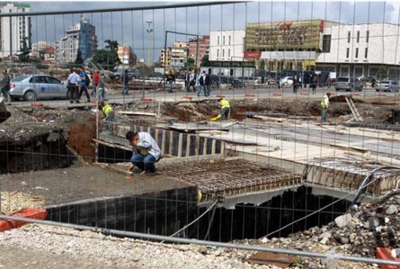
(189, 65)
(205, 61)
(381, 74)
(79, 59)
(108, 57)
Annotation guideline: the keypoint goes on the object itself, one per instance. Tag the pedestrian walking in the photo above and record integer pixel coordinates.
(5, 86)
(95, 83)
(146, 151)
(125, 82)
(102, 89)
(170, 80)
(84, 79)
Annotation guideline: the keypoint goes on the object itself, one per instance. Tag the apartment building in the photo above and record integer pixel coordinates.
(79, 37)
(15, 32)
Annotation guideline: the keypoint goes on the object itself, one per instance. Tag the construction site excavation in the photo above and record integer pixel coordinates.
(271, 171)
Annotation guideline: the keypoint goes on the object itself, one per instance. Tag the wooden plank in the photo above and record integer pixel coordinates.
(112, 145)
(268, 118)
(197, 144)
(171, 139)
(205, 146)
(188, 145)
(180, 142)
(214, 143)
(136, 113)
(163, 142)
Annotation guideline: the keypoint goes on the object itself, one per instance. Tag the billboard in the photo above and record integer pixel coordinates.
(288, 35)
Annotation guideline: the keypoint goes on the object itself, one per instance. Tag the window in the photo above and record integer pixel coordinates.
(326, 43)
(366, 53)
(53, 80)
(347, 52)
(223, 53)
(217, 40)
(217, 53)
(229, 40)
(356, 53)
(223, 40)
(367, 38)
(229, 53)
(348, 37)
(358, 36)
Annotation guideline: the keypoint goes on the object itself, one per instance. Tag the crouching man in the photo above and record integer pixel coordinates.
(146, 151)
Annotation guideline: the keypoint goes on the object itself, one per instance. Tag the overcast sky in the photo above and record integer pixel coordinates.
(130, 27)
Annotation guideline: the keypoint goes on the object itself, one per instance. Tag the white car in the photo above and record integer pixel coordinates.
(286, 81)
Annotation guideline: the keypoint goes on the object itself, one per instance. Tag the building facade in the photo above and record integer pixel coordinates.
(361, 50)
(17, 37)
(178, 54)
(126, 55)
(199, 47)
(165, 58)
(80, 37)
(226, 46)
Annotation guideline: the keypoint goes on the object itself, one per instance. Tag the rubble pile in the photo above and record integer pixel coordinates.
(357, 233)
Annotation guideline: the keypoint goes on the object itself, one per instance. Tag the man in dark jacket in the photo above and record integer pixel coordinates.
(125, 82)
(207, 83)
(5, 86)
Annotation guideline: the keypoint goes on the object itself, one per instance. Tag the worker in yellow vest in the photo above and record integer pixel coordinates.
(107, 110)
(225, 108)
(324, 107)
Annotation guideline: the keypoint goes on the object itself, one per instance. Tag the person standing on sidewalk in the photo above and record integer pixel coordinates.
(170, 80)
(125, 82)
(5, 86)
(73, 86)
(84, 84)
(324, 107)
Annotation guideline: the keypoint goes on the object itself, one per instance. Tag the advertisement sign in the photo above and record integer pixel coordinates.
(289, 35)
(252, 54)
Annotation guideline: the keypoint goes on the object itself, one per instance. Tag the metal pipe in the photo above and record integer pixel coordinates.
(190, 4)
(366, 179)
(202, 242)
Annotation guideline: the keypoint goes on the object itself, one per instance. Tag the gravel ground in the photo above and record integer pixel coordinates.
(38, 246)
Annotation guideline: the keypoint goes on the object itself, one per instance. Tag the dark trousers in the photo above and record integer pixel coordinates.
(84, 89)
(73, 93)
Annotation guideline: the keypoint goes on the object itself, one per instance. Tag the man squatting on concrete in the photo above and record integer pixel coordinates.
(146, 151)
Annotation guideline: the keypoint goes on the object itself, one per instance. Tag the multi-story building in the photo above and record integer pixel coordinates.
(165, 58)
(37, 47)
(361, 50)
(199, 47)
(79, 37)
(178, 54)
(15, 32)
(292, 45)
(226, 47)
(126, 55)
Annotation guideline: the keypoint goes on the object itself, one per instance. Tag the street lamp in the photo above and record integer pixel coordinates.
(142, 62)
(149, 30)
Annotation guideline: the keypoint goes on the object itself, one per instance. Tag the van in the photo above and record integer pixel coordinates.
(348, 84)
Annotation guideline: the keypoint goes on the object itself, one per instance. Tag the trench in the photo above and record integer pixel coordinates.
(164, 213)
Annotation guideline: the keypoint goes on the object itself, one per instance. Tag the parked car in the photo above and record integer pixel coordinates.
(286, 81)
(33, 87)
(387, 86)
(156, 75)
(132, 73)
(348, 84)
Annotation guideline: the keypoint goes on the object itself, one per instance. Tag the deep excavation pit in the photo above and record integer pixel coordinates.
(165, 213)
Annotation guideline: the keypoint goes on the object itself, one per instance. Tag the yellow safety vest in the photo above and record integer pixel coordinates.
(323, 105)
(225, 104)
(107, 109)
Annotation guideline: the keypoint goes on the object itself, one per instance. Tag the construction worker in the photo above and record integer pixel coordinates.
(107, 110)
(225, 108)
(324, 107)
(146, 151)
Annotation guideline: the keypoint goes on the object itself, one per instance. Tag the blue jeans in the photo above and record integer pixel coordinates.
(170, 86)
(145, 163)
(199, 88)
(207, 90)
(101, 94)
(324, 114)
(125, 89)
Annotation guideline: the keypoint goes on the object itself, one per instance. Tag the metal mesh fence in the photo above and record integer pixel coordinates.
(286, 157)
